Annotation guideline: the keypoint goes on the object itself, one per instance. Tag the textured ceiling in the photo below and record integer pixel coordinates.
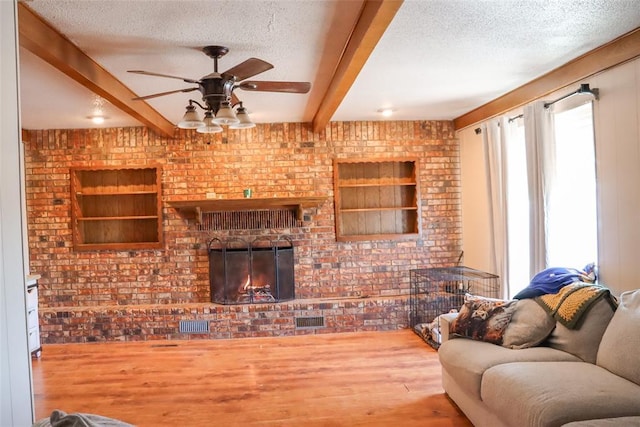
(437, 60)
(441, 59)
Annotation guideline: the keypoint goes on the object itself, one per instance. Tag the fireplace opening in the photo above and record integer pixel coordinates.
(259, 271)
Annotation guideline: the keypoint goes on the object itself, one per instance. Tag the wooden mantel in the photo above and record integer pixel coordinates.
(195, 208)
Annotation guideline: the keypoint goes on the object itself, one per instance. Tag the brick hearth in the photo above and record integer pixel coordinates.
(161, 321)
(143, 294)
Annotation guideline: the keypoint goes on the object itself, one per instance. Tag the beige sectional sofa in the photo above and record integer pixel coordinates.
(586, 376)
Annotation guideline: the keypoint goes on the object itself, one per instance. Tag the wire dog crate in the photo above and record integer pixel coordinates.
(436, 291)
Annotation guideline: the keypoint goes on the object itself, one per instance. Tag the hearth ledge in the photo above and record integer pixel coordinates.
(197, 305)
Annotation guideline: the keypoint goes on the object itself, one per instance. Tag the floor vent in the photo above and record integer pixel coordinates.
(194, 326)
(310, 322)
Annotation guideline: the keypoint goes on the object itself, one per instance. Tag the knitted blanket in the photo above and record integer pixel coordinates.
(573, 301)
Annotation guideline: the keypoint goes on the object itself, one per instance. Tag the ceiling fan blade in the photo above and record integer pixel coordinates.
(149, 73)
(155, 95)
(248, 68)
(290, 87)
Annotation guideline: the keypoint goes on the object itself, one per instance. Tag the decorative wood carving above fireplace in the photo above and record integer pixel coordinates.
(194, 208)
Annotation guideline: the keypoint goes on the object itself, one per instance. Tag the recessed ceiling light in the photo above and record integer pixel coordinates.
(96, 119)
(386, 112)
(97, 116)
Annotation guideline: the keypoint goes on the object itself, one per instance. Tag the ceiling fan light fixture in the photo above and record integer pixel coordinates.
(190, 120)
(244, 121)
(225, 115)
(217, 91)
(209, 125)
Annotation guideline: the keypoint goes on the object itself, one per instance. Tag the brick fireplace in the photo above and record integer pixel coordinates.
(144, 294)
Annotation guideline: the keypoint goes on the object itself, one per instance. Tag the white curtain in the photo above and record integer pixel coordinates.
(540, 143)
(494, 140)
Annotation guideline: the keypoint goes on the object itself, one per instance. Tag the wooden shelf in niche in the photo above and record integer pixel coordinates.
(376, 199)
(116, 208)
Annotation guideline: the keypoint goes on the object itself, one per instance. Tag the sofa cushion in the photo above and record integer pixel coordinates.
(585, 339)
(620, 345)
(553, 394)
(466, 360)
(529, 326)
(607, 422)
(483, 319)
(445, 325)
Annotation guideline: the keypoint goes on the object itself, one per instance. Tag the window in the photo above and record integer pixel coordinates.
(517, 209)
(571, 213)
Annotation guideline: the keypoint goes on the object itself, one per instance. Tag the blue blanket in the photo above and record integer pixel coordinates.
(551, 280)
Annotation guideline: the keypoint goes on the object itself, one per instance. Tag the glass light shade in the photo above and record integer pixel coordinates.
(190, 120)
(209, 126)
(225, 115)
(244, 120)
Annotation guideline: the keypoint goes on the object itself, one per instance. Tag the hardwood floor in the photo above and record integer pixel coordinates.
(351, 379)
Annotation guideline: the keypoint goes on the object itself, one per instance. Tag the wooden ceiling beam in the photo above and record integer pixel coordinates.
(344, 19)
(618, 51)
(375, 17)
(44, 41)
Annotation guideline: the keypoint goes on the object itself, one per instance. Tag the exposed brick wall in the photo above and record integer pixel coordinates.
(284, 160)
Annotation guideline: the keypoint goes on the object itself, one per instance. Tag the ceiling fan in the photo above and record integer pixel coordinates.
(218, 95)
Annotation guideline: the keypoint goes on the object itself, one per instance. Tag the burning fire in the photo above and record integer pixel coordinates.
(248, 287)
(256, 293)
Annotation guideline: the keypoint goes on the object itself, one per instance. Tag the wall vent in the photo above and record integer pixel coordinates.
(249, 220)
(310, 322)
(194, 326)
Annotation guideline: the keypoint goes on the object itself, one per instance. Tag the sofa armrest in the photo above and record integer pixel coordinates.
(445, 324)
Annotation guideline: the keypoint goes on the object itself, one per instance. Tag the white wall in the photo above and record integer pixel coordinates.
(16, 403)
(475, 206)
(617, 133)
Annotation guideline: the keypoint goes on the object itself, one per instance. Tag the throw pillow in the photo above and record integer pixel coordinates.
(483, 319)
(529, 325)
